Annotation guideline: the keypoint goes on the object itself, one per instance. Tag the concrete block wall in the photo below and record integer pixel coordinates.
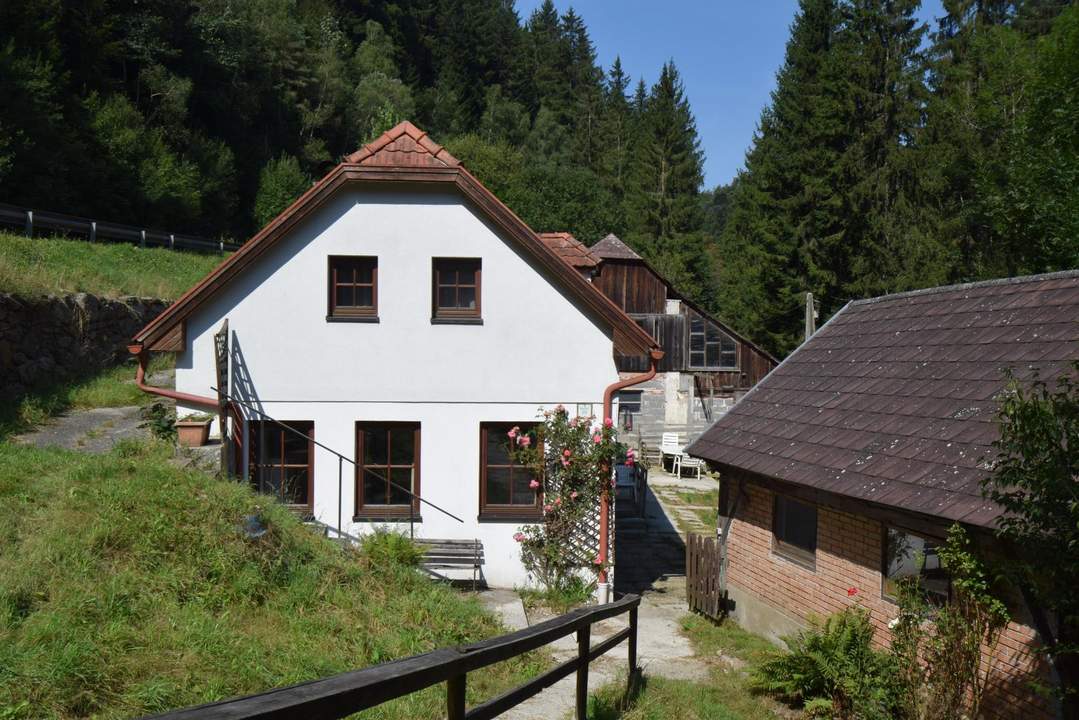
(774, 596)
(669, 403)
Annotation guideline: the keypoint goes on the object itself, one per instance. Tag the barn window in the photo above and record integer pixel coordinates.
(709, 347)
(505, 490)
(909, 556)
(280, 459)
(629, 406)
(353, 287)
(794, 530)
(387, 468)
(456, 293)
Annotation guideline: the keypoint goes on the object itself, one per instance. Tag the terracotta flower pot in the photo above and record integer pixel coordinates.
(193, 433)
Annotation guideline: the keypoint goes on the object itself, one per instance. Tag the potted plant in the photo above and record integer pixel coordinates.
(194, 430)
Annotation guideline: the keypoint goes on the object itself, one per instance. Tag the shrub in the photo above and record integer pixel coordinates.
(833, 670)
(388, 548)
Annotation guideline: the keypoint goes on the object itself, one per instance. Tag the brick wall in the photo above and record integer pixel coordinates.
(849, 554)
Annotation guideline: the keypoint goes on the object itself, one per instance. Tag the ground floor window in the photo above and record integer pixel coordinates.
(281, 456)
(629, 405)
(387, 468)
(505, 486)
(911, 556)
(794, 530)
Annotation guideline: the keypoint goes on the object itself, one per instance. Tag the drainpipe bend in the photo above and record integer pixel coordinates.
(140, 375)
(604, 501)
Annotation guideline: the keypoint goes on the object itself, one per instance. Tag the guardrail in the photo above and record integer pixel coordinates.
(342, 695)
(32, 221)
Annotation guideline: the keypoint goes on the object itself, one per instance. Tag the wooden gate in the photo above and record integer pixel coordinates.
(702, 576)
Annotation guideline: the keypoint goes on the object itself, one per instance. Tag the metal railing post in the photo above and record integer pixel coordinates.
(93, 231)
(29, 223)
(582, 671)
(340, 521)
(455, 697)
(142, 238)
(632, 642)
(172, 241)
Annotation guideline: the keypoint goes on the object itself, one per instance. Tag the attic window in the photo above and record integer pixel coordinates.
(353, 288)
(709, 347)
(455, 295)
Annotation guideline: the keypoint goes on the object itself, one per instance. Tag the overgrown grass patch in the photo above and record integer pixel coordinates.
(114, 387)
(31, 266)
(127, 587)
(728, 650)
(699, 497)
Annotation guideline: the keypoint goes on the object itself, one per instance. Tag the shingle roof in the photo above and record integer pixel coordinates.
(612, 248)
(894, 402)
(570, 249)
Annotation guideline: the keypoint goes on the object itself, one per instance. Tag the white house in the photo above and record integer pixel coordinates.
(400, 315)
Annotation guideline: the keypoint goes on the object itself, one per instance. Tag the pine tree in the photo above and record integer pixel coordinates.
(616, 127)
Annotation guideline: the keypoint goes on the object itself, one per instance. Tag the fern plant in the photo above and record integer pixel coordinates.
(833, 671)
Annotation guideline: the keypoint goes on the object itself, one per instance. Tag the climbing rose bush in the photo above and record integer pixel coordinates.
(571, 459)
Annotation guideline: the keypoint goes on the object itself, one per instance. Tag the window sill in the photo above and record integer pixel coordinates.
(507, 518)
(804, 561)
(352, 318)
(376, 518)
(456, 321)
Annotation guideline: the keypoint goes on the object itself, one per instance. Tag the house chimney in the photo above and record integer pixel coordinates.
(812, 313)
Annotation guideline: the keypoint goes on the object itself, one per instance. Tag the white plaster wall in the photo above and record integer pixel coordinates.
(535, 348)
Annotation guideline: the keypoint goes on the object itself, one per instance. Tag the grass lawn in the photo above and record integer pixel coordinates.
(697, 497)
(726, 696)
(127, 587)
(51, 265)
(112, 388)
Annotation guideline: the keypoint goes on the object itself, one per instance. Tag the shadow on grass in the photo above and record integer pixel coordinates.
(610, 704)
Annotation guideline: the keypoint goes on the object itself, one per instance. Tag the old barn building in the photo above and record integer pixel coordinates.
(854, 456)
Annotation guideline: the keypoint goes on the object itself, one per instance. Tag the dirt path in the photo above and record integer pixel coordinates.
(92, 431)
(650, 561)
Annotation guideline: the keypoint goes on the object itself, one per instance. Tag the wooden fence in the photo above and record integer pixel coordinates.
(702, 576)
(31, 221)
(345, 694)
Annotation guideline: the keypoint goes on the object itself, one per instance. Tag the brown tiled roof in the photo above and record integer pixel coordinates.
(894, 400)
(611, 248)
(570, 249)
(402, 156)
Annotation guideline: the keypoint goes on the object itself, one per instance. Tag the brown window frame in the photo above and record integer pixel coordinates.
(505, 513)
(455, 314)
(253, 435)
(365, 512)
(359, 313)
(692, 315)
(790, 551)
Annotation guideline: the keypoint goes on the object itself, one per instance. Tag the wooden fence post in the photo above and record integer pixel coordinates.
(632, 642)
(582, 671)
(455, 697)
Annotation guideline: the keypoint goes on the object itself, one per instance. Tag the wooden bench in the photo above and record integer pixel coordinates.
(441, 555)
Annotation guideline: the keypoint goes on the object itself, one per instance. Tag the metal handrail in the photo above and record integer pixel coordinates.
(341, 458)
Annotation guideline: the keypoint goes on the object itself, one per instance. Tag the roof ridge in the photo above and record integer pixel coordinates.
(1017, 280)
(403, 129)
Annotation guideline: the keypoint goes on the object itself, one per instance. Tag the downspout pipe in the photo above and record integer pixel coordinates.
(603, 587)
(140, 375)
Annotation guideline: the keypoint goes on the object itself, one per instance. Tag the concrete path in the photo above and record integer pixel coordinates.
(650, 561)
(92, 431)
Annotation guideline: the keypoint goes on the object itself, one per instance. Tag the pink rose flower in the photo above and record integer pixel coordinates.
(851, 592)
(547, 508)
(597, 561)
(573, 422)
(519, 537)
(558, 501)
(534, 484)
(565, 462)
(566, 452)
(573, 495)
(513, 432)
(597, 438)
(524, 440)
(607, 422)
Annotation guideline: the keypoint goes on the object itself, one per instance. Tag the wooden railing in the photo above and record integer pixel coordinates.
(703, 592)
(342, 695)
(35, 221)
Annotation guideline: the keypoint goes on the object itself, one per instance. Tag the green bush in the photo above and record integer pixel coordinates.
(388, 548)
(833, 670)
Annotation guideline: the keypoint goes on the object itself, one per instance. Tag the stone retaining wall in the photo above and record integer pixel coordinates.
(49, 338)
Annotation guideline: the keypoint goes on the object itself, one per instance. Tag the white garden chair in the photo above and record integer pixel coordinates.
(683, 461)
(670, 445)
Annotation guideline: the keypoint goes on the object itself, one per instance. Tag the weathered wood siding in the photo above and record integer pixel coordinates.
(632, 286)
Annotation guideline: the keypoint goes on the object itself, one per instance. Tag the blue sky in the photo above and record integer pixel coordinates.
(727, 51)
